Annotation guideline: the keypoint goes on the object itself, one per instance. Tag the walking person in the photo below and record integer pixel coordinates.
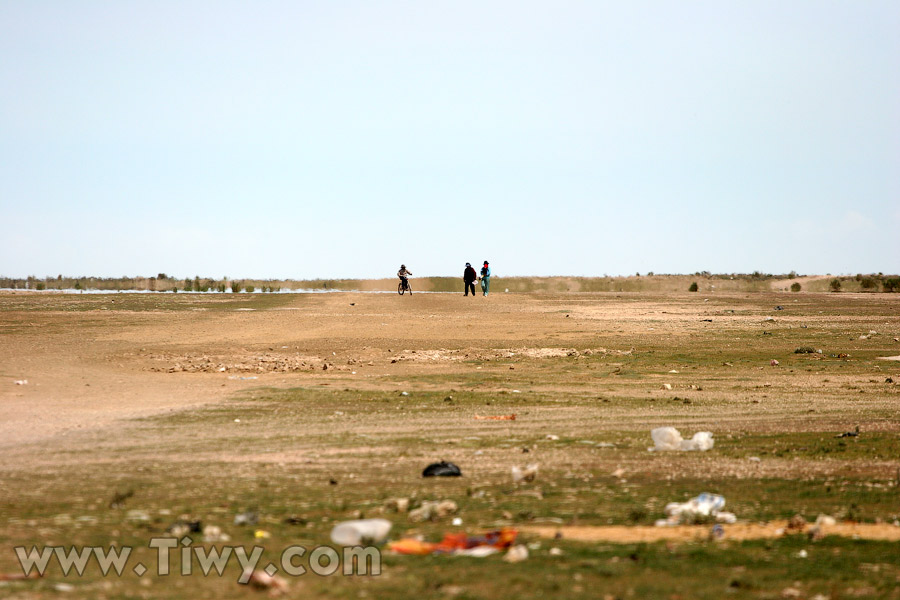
(485, 278)
(469, 277)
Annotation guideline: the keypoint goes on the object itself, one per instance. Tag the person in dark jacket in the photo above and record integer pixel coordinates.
(469, 277)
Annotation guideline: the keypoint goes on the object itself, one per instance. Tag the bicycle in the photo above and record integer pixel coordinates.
(403, 286)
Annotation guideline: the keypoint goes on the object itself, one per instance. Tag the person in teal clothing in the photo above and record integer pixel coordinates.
(485, 278)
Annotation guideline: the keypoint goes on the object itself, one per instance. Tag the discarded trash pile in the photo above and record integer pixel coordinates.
(696, 509)
(443, 355)
(668, 438)
(458, 544)
(262, 363)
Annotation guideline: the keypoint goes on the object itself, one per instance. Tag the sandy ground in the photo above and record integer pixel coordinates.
(94, 365)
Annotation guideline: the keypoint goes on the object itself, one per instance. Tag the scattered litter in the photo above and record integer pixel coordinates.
(21, 382)
(826, 521)
(770, 318)
(442, 469)
(673, 371)
(247, 518)
(555, 552)
(516, 392)
(239, 378)
(119, 498)
(495, 417)
(19, 576)
(802, 554)
(667, 386)
(457, 521)
(882, 357)
(362, 532)
(213, 534)
(516, 554)
(431, 510)
(64, 587)
(854, 433)
(717, 532)
(261, 534)
(400, 505)
(404, 393)
(704, 505)
(458, 543)
(773, 362)
(618, 473)
(180, 528)
(668, 438)
(137, 516)
(527, 474)
(263, 581)
(551, 437)
(237, 420)
(754, 459)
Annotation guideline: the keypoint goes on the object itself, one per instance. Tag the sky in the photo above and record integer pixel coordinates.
(339, 139)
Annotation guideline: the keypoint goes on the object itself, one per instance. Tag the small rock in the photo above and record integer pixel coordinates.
(555, 552)
(796, 523)
(667, 386)
(774, 362)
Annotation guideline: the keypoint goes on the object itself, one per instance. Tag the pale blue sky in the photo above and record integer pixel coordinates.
(339, 139)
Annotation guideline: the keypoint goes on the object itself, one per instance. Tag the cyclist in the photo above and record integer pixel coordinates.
(403, 274)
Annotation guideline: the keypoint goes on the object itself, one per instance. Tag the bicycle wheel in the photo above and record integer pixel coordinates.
(400, 289)
(409, 288)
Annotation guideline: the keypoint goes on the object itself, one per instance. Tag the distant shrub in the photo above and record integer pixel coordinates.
(795, 287)
(174, 290)
(188, 285)
(235, 287)
(805, 350)
(835, 285)
(792, 275)
(222, 287)
(694, 287)
(250, 288)
(891, 284)
(868, 283)
(77, 285)
(41, 286)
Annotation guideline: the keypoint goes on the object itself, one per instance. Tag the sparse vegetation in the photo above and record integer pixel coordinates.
(868, 283)
(835, 285)
(795, 287)
(694, 287)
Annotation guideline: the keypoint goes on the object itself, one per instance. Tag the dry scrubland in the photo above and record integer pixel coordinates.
(142, 392)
